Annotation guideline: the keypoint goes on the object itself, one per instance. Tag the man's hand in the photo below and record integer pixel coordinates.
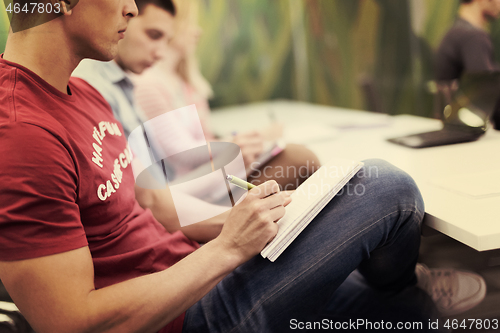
(251, 223)
(251, 145)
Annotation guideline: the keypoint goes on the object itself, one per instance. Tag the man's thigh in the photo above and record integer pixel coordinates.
(261, 296)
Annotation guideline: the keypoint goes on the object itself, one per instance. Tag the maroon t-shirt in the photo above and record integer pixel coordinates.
(66, 182)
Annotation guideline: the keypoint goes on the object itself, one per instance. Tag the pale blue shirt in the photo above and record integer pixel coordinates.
(115, 85)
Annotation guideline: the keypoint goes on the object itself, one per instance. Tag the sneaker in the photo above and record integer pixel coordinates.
(452, 291)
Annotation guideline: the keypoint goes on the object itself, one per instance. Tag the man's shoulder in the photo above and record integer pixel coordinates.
(462, 36)
(27, 99)
(21, 96)
(463, 31)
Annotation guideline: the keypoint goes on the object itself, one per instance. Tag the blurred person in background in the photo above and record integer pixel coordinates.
(467, 46)
(176, 82)
(143, 45)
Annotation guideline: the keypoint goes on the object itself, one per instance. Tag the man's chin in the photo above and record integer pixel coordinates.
(104, 55)
(111, 54)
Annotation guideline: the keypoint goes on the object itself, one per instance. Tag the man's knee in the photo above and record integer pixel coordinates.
(303, 160)
(390, 185)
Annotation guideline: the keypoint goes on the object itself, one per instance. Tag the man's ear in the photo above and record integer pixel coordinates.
(66, 6)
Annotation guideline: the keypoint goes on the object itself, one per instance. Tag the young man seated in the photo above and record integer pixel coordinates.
(467, 47)
(77, 261)
(145, 43)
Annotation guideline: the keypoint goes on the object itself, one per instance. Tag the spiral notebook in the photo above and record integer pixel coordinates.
(308, 200)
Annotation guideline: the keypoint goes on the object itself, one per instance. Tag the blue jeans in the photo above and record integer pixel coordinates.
(372, 226)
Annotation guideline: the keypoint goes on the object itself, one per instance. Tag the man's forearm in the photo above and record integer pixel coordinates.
(136, 306)
(56, 293)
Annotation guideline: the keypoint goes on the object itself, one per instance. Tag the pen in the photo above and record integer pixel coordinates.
(239, 182)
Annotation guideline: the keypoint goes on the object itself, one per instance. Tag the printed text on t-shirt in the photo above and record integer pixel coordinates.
(99, 135)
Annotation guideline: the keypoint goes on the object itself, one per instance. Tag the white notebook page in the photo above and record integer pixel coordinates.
(308, 200)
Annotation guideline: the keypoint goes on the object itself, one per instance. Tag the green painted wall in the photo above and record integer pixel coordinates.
(249, 51)
(320, 50)
(4, 26)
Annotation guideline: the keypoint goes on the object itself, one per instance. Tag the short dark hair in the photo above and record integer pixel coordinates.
(167, 5)
(465, 1)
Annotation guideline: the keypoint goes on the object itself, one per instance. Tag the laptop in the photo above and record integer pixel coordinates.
(466, 115)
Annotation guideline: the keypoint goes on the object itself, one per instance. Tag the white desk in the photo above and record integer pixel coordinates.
(474, 221)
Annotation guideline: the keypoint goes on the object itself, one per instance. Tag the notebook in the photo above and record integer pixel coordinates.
(308, 200)
(466, 114)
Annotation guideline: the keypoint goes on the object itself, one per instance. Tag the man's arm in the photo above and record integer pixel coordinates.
(56, 293)
(162, 206)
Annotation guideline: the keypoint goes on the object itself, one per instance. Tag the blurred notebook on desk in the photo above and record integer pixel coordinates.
(466, 114)
(308, 200)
